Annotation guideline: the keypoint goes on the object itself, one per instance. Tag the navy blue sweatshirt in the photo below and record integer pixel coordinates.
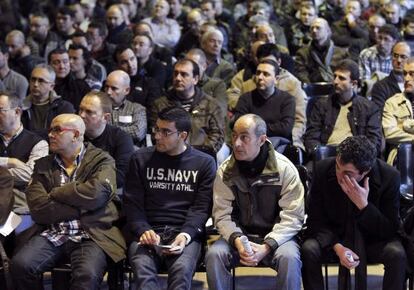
(169, 190)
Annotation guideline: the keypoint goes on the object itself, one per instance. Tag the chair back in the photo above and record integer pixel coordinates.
(314, 91)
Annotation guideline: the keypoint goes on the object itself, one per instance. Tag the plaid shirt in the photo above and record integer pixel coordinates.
(131, 118)
(370, 61)
(72, 230)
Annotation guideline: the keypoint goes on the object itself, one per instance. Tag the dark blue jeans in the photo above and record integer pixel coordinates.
(87, 259)
(146, 262)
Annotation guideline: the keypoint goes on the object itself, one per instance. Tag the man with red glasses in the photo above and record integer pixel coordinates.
(70, 197)
(167, 202)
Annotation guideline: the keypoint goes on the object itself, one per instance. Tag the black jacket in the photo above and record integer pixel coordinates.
(364, 119)
(384, 89)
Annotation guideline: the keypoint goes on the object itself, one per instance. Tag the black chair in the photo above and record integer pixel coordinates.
(405, 166)
(315, 90)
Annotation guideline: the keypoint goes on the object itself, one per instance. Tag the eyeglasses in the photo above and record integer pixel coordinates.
(59, 130)
(39, 80)
(402, 56)
(3, 110)
(163, 132)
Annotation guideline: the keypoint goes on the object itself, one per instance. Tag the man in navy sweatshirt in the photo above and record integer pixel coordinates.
(167, 201)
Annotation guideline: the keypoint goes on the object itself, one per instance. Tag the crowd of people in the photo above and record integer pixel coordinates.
(125, 125)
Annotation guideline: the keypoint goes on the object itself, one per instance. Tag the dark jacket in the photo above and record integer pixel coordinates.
(57, 106)
(379, 221)
(89, 198)
(278, 111)
(384, 89)
(207, 125)
(72, 89)
(364, 119)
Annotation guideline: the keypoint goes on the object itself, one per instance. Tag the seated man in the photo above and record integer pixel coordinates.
(362, 226)
(207, 126)
(394, 82)
(70, 198)
(95, 110)
(19, 148)
(130, 117)
(397, 116)
(43, 104)
(276, 107)
(343, 113)
(257, 193)
(167, 203)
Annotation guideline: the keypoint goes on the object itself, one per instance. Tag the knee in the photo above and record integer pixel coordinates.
(218, 252)
(394, 253)
(311, 250)
(21, 266)
(85, 273)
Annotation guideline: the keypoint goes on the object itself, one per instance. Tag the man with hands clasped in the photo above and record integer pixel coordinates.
(257, 193)
(354, 214)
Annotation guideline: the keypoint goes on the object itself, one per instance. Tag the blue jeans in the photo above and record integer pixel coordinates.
(146, 262)
(87, 259)
(285, 260)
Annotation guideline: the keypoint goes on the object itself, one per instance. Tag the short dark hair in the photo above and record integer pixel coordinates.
(59, 50)
(196, 69)
(14, 100)
(120, 48)
(179, 116)
(268, 49)
(4, 48)
(106, 101)
(100, 25)
(390, 30)
(408, 19)
(65, 10)
(359, 151)
(272, 63)
(85, 54)
(351, 66)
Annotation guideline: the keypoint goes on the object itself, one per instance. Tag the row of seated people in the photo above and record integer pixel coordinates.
(172, 188)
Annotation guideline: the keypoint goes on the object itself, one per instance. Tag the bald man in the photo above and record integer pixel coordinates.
(118, 31)
(71, 197)
(130, 117)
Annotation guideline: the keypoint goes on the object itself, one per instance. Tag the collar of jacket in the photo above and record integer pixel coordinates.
(232, 172)
(198, 96)
(27, 103)
(335, 99)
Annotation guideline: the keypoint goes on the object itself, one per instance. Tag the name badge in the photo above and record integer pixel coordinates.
(125, 119)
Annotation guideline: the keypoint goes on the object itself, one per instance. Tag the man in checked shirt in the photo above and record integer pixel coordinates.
(70, 197)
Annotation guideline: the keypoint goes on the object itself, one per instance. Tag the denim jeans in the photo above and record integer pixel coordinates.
(285, 260)
(87, 259)
(146, 263)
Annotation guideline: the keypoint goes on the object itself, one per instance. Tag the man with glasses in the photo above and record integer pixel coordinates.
(43, 104)
(19, 148)
(95, 110)
(70, 197)
(167, 203)
(394, 82)
(377, 58)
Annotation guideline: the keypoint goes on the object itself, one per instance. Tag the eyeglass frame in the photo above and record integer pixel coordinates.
(163, 132)
(54, 131)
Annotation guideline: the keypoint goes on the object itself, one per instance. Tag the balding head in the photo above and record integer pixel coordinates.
(199, 57)
(320, 30)
(15, 41)
(265, 33)
(114, 16)
(401, 52)
(66, 135)
(117, 86)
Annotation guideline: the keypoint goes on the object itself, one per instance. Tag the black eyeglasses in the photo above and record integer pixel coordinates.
(163, 132)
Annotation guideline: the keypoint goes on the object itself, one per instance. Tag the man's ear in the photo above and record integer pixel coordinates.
(184, 135)
(107, 117)
(262, 139)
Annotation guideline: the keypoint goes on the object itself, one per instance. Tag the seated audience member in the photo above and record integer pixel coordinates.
(149, 66)
(41, 39)
(377, 58)
(20, 58)
(275, 107)
(19, 148)
(130, 117)
(101, 50)
(70, 198)
(178, 13)
(64, 23)
(43, 103)
(397, 116)
(207, 126)
(143, 89)
(314, 63)
(95, 110)
(211, 44)
(375, 22)
(392, 13)
(213, 87)
(394, 82)
(166, 31)
(408, 30)
(299, 33)
(243, 82)
(191, 38)
(362, 226)
(12, 81)
(343, 113)
(351, 31)
(118, 31)
(80, 62)
(167, 203)
(67, 85)
(270, 214)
